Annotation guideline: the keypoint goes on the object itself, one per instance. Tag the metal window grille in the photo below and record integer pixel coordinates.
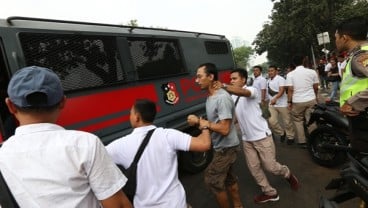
(81, 61)
(153, 57)
(213, 47)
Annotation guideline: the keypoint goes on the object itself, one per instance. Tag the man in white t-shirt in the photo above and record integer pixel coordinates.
(157, 173)
(302, 96)
(278, 106)
(45, 165)
(260, 83)
(258, 145)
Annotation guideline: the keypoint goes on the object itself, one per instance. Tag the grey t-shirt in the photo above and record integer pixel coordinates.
(220, 106)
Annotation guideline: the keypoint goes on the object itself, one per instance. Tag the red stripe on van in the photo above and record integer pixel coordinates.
(84, 108)
(105, 124)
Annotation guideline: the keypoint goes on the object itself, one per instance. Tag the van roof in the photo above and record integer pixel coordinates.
(47, 24)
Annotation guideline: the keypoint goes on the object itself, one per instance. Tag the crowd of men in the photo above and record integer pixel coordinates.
(45, 165)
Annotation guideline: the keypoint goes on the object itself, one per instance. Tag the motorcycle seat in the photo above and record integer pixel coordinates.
(335, 118)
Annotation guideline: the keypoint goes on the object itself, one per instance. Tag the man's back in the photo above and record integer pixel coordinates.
(302, 79)
(48, 166)
(157, 172)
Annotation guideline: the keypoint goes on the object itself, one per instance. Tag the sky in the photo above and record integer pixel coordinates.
(241, 19)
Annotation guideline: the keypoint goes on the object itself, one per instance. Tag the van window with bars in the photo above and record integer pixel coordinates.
(154, 57)
(214, 47)
(81, 61)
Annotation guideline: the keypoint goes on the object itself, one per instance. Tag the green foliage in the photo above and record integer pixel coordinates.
(133, 23)
(242, 56)
(294, 25)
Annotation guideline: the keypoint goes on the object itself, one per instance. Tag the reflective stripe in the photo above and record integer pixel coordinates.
(351, 85)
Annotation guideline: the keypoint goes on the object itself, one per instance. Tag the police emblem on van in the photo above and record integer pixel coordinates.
(171, 95)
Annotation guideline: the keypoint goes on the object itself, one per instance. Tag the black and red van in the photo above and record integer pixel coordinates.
(104, 68)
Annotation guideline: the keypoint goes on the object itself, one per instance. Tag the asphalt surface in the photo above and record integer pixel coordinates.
(312, 177)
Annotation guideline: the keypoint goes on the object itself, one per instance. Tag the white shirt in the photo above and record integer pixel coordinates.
(260, 83)
(249, 115)
(48, 166)
(341, 66)
(328, 67)
(275, 84)
(302, 80)
(157, 173)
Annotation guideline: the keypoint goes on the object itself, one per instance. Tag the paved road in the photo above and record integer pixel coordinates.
(313, 179)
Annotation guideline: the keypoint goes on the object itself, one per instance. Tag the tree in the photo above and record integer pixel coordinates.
(242, 55)
(133, 23)
(294, 25)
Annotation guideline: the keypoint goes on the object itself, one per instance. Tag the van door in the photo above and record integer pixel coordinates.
(7, 121)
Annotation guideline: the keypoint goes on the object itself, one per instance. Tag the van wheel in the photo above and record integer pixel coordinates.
(194, 162)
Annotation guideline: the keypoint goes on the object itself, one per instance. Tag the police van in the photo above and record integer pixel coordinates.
(104, 68)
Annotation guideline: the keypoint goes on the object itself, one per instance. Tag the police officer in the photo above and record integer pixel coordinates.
(351, 36)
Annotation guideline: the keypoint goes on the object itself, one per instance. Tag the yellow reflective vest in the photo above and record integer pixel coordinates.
(351, 85)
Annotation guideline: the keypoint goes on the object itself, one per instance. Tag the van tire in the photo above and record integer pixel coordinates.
(194, 162)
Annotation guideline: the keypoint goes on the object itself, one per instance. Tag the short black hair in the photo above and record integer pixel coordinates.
(210, 69)
(298, 59)
(273, 66)
(146, 108)
(355, 27)
(38, 101)
(258, 67)
(242, 72)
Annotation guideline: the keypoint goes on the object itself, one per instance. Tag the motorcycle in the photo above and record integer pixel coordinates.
(353, 183)
(328, 143)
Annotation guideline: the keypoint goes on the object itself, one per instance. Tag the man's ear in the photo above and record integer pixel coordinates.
(211, 77)
(11, 107)
(346, 37)
(62, 103)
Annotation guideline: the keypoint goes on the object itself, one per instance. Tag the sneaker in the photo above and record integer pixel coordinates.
(290, 141)
(262, 198)
(293, 181)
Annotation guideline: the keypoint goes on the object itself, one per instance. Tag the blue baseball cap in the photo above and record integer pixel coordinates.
(34, 79)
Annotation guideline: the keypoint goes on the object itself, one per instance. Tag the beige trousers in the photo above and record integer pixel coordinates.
(300, 113)
(261, 155)
(282, 113)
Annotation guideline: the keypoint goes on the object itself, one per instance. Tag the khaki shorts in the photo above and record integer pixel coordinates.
(219, 174)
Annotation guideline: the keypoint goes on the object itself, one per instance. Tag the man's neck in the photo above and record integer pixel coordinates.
(356, 44)
(211, 90)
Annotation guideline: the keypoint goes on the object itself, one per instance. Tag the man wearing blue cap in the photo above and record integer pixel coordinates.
(45, 165)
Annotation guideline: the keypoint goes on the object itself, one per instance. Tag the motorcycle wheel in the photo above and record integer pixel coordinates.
(327, 157)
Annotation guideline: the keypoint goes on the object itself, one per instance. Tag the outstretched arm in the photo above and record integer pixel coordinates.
(118, 200)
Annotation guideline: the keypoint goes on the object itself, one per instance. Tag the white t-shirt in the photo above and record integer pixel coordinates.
(48, 166)
(249, 115)
(260, 83)
(328, 67)
(341, 66)
(157, 173)
(302, 79)
(275, 84)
